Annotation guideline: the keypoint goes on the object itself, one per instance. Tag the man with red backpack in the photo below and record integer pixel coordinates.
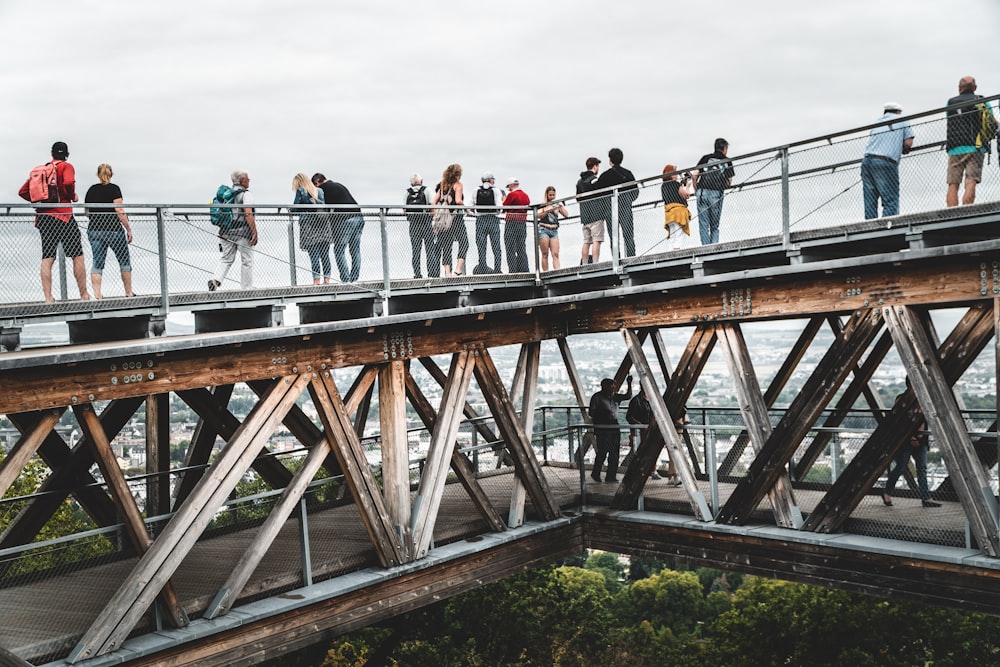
(55, 183)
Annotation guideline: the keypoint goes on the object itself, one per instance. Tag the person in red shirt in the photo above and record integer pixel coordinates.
(516, 228)
(56, 225)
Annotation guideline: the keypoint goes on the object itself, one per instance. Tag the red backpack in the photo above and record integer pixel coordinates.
(43, 184)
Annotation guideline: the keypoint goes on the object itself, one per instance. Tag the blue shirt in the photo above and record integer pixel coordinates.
(887, 140)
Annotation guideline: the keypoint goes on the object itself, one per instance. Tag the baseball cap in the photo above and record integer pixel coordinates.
(60, 147)
(513, 181)
(488, 176)
(892, 106)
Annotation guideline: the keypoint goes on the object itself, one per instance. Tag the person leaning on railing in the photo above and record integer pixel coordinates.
(548, 228)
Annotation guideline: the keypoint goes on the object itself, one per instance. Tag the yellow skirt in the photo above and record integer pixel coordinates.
(679, 214)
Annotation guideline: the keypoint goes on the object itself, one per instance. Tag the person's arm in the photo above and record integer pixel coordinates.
(459, 192)
(122, 218)
(562, 210)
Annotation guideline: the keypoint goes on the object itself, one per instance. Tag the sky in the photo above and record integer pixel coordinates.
(176, 94)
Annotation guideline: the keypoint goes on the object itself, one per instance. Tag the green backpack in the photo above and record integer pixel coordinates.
(987, 127)
(223, 218)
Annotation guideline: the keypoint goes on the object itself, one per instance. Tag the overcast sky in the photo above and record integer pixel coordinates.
(176, 94)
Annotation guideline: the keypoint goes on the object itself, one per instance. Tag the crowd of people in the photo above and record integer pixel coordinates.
(437, 219)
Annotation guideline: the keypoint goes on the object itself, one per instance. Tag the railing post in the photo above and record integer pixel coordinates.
(61, 267)
(614, 240)
(386, 284)
(538, 252)
(545, 437)
(161, 251)
(786, 214)
(713, 471)
(834, 458)
(291, 249)
(307, 578)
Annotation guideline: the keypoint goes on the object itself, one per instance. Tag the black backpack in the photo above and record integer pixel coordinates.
(486, 200)
(415, 198)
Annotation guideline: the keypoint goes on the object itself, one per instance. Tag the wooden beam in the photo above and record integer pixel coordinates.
(940, 409)
(664, 425)
(531, 353)
(157, 454)
(518, 443)
(587, 437)
(200, 449)
(395, 449)
(470, 412)
(443, 437)
(755, 415)
(119, 617)
(25, 448)
(960, 349)
(817, 392)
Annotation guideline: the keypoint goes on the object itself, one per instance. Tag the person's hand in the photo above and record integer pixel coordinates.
(253, 236)
(128, 235)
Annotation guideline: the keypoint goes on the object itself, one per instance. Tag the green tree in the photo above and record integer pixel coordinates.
(609, 565)
(668, 599)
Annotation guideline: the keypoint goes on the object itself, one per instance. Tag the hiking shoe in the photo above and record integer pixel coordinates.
(213, 285)
(655, 475)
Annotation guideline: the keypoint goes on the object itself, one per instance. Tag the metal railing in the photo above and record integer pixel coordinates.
(806, 185)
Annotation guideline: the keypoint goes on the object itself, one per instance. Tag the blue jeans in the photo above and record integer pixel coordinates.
(101, 240)
(880, 179)
(919, 455)
(709, 214)
(347, 235)
(488, 229)
(319, 261)
(422, 237)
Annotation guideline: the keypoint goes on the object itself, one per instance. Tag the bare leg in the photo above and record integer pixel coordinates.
(543, 250)
(127, 283)
(952, 197)
(460, 265)
(554, 248)
(584, 253)
(597, 251)
(95, 281)
(447, 269)
(970, 192)
(46, 274)
(80, 273)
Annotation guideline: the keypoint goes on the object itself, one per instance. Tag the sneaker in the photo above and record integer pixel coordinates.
(655, 475)
(213, 285)
(676, 481)
(931, 503)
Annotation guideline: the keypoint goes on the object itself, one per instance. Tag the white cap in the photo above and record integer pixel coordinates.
(893, 106)
(512, 181)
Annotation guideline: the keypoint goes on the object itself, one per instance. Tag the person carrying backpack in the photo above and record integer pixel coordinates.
(421, 234)
(240, 237)
(55, 183)
(969, 119)
(488, 200)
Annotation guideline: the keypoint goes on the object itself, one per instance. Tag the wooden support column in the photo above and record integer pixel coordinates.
(816, 393)
(937, 402)
(664, 425)
(200, 449)
(333, 412)
(530, 353)
(129, 603)
(25, 448)
(442, 445)
(755, 415)
(395, 452)
(518, 444)
(587, 437)
(969, 337)
(459, 461)
(470, 412)
(157, 454)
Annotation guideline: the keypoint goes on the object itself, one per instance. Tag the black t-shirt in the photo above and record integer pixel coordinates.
(335, 193)
(670, 191)
(103, 218)
(716, 172)
(963, 124)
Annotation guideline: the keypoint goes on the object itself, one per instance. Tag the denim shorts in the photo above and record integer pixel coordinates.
(547, 232)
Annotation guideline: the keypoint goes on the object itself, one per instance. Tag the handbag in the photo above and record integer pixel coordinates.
(442, 218)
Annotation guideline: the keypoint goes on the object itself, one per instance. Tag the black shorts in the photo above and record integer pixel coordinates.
(54, 231)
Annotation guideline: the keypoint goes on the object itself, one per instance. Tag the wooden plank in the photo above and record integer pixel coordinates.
(157, 454)
(517, 382)
(756, 418)
(123, 611)
(200, 449)
(358, 476)
(443, 437)
(662, 416)
(817, 392)
(518, 443)
(969, 337)
(940, 409)
(459, 462)
(25, 448)
(468, 410)
(529, 377)
(395, 448)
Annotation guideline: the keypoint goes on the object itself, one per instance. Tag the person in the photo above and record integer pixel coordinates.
(916, 448)
(108, 228)
(314, 228)
(676, 216)
(421, 235)
(591, 216)
(346, 225)
(242, 236)
(713, 175)
(617, 175)
(56, 225)
(880, 165)
(450, 192)
(965, 159)
(604, 412)
(488, 200)
(516, 229)
(640, 413)
(548, 228)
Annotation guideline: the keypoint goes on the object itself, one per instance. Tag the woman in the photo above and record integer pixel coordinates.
(314, 228)
(449, 192)
(548, 228)
(108, 228)
(676, 216)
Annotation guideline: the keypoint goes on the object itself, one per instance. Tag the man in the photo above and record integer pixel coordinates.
(516, 231)
(488, 199)
(640, 413)
(713, 175)
(604, 413)
(242, 236)
(917, 447)
(421, 234)
(627, 192)
(964, 157)
(347, 225)
(56, 225)
(880, 165)
(591, 218)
